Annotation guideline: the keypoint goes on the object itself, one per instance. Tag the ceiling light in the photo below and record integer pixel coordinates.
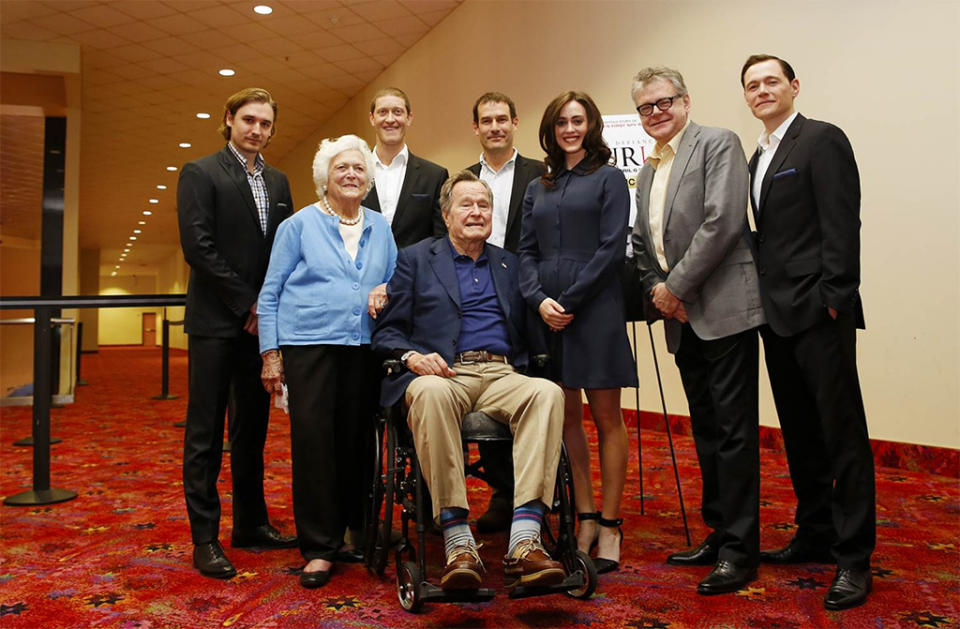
(161, 187)
(147, 212)
(137, 231)
(202, 115)
(141, 222)
(127, 250)
(114, 274)
(133, 237)
(172, 168)
(227, 72)
(263, 9)
(117, 266)
(185, 145)
(153, 200)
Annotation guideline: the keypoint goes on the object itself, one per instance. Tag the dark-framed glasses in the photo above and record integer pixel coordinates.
(663, 104)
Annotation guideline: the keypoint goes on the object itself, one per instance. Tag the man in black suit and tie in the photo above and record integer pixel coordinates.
(406, 187)
(805, 194)
(508, 173)
(229, 205)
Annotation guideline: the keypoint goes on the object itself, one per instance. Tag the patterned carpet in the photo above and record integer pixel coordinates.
(119, 555)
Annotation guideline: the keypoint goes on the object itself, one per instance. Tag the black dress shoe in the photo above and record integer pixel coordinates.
(352, 555)
(849, 589)
(264, 536)
(725, 577)
(797, 552)
(703, 555)
(211, 561)
(315, 579)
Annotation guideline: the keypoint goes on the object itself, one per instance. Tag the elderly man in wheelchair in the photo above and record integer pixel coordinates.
(455, 319)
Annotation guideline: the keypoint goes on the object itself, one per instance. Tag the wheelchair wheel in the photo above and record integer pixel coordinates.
(583, 563)
(408, 587)
(380, 522)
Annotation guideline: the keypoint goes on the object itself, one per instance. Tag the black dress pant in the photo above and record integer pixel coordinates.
(816, 389)
(333, 392)
(224, 370)
(720, 379)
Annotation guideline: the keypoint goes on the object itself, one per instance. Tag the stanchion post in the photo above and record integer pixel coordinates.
(80, 381)
(41, 494)
(165, 364)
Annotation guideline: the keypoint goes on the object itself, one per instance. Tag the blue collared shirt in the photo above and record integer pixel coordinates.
(314, 292)
(483, 325)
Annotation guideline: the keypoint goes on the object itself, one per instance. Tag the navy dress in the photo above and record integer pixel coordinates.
(572, 249)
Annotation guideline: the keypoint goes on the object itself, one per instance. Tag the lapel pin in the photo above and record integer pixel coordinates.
(503, 264)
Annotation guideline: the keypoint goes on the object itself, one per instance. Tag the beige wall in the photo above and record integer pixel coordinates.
(123, 326)
(173, 275)
(885, 72)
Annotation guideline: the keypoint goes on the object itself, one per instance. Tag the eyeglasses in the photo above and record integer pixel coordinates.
(663, 104)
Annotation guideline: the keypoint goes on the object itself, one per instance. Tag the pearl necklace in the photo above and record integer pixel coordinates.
(343, 221)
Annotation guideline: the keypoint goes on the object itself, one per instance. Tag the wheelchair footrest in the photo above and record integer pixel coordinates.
(431, 593)
(572, 582)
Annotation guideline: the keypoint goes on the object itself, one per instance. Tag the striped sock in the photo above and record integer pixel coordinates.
(456, 531)
(527, 519)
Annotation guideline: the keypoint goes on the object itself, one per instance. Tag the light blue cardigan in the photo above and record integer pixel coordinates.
(314, 294)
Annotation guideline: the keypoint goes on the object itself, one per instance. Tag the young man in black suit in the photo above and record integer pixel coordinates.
(805, 195)
(229, 205)
(407, 188)
(507, 173)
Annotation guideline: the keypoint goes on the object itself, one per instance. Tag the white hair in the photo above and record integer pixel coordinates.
(330, 148)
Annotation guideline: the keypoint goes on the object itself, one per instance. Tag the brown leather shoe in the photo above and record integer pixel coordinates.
(529, 565)
(464, 570)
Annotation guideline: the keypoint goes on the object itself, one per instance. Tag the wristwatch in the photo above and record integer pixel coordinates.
(407, 354)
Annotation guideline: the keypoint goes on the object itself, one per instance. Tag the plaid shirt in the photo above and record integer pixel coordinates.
(257, 185)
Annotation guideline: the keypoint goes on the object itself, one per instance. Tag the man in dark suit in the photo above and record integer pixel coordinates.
(229, 205)
(456, 319)
(508, 173)
(406, 187)
(691, 245)
(805, 195)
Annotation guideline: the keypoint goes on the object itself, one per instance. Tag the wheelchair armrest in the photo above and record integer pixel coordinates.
(393, 366)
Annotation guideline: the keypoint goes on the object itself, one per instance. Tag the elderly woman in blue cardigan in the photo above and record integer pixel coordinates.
(324, 286)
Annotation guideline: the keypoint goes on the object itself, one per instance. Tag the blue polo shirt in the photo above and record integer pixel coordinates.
(483, 325)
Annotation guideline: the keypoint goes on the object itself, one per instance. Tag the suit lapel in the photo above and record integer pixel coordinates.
(231, 165)
(783, 150)
(409, 184)
(644, 182)
(752, 167)
(442, 264)
(680, 161)
(372, 201)
(516, 193)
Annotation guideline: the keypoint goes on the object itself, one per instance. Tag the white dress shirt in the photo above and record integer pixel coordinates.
(388, 181)
(768, 143)
(501, 183)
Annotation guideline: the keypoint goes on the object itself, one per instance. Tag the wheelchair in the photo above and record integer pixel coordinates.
(397, 480)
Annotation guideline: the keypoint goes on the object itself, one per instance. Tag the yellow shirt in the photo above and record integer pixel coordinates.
(661, 159)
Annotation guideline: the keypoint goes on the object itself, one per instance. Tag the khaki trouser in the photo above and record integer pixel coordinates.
(531, 407)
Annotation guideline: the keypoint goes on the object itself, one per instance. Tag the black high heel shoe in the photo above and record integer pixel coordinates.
(590, 515)
(609, 565)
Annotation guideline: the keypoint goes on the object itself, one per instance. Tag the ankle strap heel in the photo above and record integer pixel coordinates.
(602, 564)
(588, 515)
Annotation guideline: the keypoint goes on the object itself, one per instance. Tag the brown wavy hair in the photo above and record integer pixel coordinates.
(598, 153)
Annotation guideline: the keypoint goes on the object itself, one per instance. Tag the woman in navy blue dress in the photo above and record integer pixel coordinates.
(572, 246)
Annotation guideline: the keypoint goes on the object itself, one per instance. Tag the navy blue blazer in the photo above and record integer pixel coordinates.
(424, 313)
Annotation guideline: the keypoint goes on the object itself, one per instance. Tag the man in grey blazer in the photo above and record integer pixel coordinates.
(691, 247)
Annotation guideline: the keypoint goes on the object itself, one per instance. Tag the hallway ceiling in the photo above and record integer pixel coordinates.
(148, 67)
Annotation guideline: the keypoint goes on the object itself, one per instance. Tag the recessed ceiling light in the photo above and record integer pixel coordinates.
(141, 222)
(137, 231)
(127, 250)
(147, 212)
(117, 266)
(185, 145)
(202, 115)
(161, 187)
(263, 9)
(133, 237)
(114, 274)
(153, 200)
(227, 72)
(172, 168)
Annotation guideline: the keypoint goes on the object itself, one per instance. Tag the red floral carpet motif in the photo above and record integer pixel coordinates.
(119, 555)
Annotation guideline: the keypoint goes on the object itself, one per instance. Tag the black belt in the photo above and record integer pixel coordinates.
(479, 356)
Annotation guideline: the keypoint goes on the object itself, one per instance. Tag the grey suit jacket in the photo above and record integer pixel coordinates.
(705, 236)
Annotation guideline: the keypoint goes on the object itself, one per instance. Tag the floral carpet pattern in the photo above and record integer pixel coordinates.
(120, 555)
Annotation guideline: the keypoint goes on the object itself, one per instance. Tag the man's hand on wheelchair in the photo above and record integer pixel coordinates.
(431, 364)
